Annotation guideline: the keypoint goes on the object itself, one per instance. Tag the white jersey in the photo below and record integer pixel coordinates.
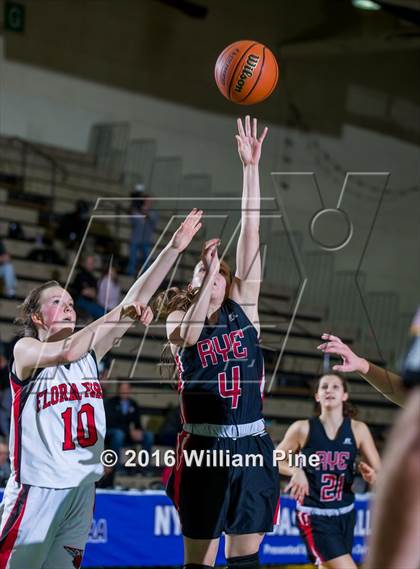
(57, 429)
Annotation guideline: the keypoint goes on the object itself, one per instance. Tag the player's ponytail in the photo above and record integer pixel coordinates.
(172, 299)
(349, 410)
(32, 305)
(166, 302)
(176, 298)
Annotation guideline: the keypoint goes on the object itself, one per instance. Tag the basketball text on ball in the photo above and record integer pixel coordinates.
(227, 64)
(247, 71)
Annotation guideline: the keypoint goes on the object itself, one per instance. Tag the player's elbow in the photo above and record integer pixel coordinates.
(69, 354)
(186, 341)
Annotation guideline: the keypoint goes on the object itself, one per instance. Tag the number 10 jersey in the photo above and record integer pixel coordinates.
(57, 426)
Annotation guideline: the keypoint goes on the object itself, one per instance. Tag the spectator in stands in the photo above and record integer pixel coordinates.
(144, 222)
(170, 428)
(72, 225)
(167, 436)
(15, 230)
(4, 464)
(4, 366)
(104, 367)
(85, 289)
(103, 238)
(5, 411)
(7, 272)
(124, 421)
(109, 289)
(44, 251)
(5, 393)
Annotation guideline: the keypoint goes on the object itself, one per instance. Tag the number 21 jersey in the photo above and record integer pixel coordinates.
(331, 480)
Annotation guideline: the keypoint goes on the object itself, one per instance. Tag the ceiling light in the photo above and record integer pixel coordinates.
(366, 5)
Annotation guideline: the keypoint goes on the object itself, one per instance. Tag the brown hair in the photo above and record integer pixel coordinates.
(173, 299)
(348, 409)
(32, 305)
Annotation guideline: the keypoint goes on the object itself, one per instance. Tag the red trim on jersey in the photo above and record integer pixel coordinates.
(16, 424)
(304, 521)
(179, 465)
(180, 369)
(276, 518)
(11, 527)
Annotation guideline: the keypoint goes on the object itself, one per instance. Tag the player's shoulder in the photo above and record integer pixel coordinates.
(358, 426)
(299, 432)
(360, 430)
(175, 316)
(300, 428)
(24, 344)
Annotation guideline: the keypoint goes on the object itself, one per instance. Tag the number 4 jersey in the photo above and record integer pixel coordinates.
(221, 377)
(58, 425)
(330, 482)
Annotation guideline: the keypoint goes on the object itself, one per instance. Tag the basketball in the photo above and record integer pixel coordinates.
(246, 72)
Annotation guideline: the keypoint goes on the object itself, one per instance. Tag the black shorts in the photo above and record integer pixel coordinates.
(326, 537)
(225, 498)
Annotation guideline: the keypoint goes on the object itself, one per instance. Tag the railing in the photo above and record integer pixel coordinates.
(108, 142)
(29, 147)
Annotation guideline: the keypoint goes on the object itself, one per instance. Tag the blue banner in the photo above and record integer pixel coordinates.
(142, 529)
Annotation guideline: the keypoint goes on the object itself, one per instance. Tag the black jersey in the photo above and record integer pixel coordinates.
(330, 482)
(221, 377)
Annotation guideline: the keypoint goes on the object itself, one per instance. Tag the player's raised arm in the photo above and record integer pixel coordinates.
(246, 283)
(145, 286)
(135, 301)
(101, 335)
(388, 383)
(184, 328)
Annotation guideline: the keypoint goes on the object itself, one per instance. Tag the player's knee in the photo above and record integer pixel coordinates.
(244, 562)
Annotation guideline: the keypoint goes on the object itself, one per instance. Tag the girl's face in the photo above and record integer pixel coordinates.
(331, 394)
(219, 284)
(57, 312)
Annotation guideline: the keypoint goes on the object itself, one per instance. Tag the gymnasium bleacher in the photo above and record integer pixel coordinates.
(42, 182)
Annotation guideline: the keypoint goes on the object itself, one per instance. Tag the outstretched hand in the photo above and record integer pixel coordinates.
(351, 361)
(210, 256)
(137, 311)
(298, 486)
(186, 231)
(249, 144)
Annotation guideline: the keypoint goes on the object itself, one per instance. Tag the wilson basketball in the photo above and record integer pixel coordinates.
(246, 72)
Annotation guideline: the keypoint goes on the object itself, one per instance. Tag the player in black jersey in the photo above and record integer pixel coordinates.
(213, 330)
(325, 501)
(394, 541)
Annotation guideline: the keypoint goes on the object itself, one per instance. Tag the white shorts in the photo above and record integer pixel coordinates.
(44, 528)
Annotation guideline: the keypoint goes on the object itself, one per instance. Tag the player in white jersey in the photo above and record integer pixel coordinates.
(58, 420)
